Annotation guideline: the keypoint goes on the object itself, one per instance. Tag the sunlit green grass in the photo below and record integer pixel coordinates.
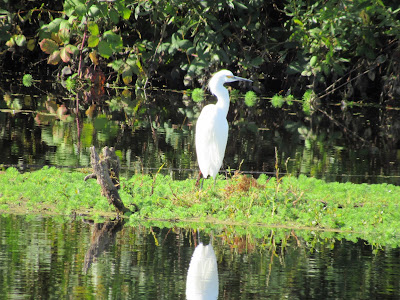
(298, 202)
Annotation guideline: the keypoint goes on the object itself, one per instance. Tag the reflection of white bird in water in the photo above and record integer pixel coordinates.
(202, 277)
(212, 126)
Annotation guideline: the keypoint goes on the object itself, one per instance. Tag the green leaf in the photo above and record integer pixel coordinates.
(116, 64)
(31, 44)
(294, 68)
(94, 11)
(77, 7)
(104, 49)
(126, 14)
(72, 49)
(338, 69)
(127, 74)
(93, 28)
(313, 61)
(114, 40)
(54, 58)
(114, 16)
(191, 51)
(64, 24)
(93, 41)
(54, 25)
(20, 40)
(257, 61)
(175, 39)
(81, 10)
(134, 65)
(64, 35)
(298, 22)
(48, 46)
(240, 5)
(184, 44)
(163, 47)
(65, 55)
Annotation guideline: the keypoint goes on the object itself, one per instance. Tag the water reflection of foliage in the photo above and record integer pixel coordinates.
(149, 132)
(252, 261)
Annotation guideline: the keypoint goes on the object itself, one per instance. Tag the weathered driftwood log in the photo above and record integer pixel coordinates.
(106, 170)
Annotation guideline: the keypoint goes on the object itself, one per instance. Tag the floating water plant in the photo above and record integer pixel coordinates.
(198, 95)
(250, 99)
(289, 99)
(277, 101)
(293, 202)
(27, 80)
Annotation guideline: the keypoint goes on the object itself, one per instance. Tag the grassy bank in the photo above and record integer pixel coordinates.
(287, 201)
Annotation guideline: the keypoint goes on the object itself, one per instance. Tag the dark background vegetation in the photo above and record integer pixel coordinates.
(340, 49)
(329, 58)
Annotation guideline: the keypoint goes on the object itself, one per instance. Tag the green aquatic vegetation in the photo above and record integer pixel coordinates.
(250, 98)
(27, 80)
(292, 202)
(277, 101)
(198, 95)
(50, 189)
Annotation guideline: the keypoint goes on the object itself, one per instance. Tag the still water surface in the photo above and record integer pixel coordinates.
(58, 258)
(164, 136)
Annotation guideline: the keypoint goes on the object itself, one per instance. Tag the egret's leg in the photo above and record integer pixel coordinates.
(198, 178)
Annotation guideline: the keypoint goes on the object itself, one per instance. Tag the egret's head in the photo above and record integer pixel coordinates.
(220, 78)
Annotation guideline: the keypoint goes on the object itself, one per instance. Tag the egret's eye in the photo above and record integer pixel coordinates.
(229, 76)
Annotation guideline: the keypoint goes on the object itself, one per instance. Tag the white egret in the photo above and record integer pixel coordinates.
(202, 277)
(212, 126)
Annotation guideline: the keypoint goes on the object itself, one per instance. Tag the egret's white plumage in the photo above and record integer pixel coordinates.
(212, 126)
(202, 277)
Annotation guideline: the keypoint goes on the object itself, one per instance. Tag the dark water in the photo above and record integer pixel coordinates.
(352, 144)
(50, 258)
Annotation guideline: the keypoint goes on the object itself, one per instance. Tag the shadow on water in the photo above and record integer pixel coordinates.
(44, 258)
(357, 144)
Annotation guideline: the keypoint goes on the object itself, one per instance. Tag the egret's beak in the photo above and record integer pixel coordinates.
(237, 78)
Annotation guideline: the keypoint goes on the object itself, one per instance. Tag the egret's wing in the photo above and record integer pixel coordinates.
(220, 138)
(211, 138)
(204, 132)
(202, 277)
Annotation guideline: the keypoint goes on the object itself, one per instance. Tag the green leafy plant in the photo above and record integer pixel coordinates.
(27, 80)
(306, 102)
(70, 83)
(289, 99)
(277, 101)
(198, 95)
(338, 37)
(250, 98)
(83, 34)
(140, 43)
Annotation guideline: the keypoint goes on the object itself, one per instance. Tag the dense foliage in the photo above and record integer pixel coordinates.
(345, 48)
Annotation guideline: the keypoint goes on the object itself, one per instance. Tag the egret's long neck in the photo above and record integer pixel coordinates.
(222, 95)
